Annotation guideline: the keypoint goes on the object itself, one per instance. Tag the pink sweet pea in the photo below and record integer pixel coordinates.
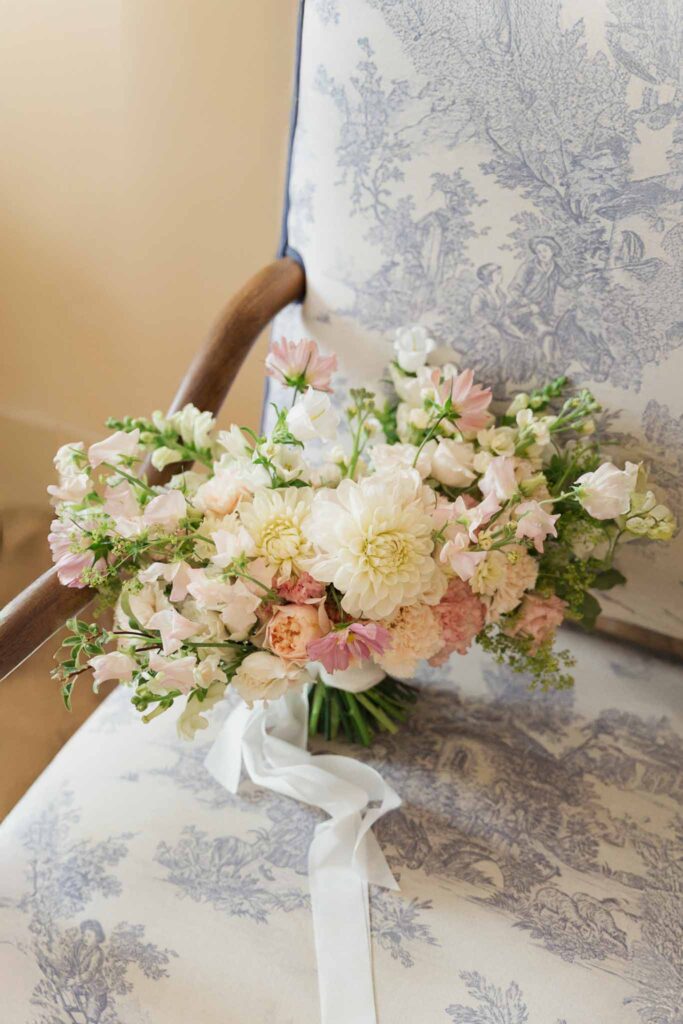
(299, 364)
(166, 510)
(499, 479)
(178, 573)
(70, 564)
(469, 400)
(356, 642)
(475, 516)
(115, 665)
(173, 627)
(113, 448)
(535, 523)
(172, 673)
(462, 561)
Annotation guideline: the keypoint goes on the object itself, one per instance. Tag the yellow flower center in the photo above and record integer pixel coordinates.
(282, 539)
(386, 552)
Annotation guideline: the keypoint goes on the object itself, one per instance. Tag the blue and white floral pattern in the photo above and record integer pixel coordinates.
(510, 174)
(540, 837)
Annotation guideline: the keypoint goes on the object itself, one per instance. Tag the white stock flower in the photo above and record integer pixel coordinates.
(412, 346)
(313, 416)
(193, 426)
(233, 442)
(163, 456)
(278, 523)
(375, 539)
(262, 676)
(606, 493)
(452, 463)
(498, 440)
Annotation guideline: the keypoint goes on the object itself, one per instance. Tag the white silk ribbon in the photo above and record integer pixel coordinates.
(344, 856)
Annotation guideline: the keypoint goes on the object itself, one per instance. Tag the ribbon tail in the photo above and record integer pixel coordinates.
(344, 855)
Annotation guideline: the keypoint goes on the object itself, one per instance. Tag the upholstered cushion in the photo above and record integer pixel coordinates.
(509, 174)
(539, 850)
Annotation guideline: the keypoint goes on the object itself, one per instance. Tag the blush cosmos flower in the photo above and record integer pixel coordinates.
(299, 364)
(355, 643)
(375, 544)
(469, 401)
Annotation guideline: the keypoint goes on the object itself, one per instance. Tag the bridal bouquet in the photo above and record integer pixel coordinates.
(424, 525)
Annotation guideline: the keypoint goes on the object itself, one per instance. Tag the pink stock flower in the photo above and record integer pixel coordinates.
(356, 642)
(299, 363)
(538, 618)
(461, 615)
(469, 400)
(535, 523)
(304, 590)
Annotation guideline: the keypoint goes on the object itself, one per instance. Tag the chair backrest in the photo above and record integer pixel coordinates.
(510, 174)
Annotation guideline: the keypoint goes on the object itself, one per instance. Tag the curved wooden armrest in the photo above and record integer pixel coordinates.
(42, 608)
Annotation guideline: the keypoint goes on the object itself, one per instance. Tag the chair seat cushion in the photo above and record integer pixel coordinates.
(539, 849)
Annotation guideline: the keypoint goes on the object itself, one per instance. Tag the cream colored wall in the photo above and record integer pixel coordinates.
(143, 153)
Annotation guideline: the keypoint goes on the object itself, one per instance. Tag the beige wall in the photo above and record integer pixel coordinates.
(143, 152)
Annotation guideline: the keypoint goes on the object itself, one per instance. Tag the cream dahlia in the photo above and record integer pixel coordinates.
(278, 523)
(375, 543)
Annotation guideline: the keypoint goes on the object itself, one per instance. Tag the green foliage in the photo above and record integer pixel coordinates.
(85, 641)
(546, 666)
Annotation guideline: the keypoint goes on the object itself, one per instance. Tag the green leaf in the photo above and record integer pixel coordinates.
(608, 579)
(590, 611)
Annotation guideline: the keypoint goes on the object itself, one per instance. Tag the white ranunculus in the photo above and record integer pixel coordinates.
(388, 457)
(262, 676)
(452, 463)
(375, 544)
(606, 493)
(412, 345)
(353, 680)
(313, 416)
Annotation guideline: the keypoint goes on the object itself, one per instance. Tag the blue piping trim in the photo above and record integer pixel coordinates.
(284, 248)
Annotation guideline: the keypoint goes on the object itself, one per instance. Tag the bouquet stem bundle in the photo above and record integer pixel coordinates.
(359, 716)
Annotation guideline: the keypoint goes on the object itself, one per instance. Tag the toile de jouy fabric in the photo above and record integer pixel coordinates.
(539, 850)
(510, 174)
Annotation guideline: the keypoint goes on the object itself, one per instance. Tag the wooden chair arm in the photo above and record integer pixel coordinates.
(41, 609)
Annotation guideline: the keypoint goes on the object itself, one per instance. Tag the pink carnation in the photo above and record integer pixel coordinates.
(538, 618)
(356, 642)
(299, 363)
(461, 615)
(304, 590)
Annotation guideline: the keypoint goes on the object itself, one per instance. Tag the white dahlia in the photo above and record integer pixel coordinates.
(278, 523)
(375, 545)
